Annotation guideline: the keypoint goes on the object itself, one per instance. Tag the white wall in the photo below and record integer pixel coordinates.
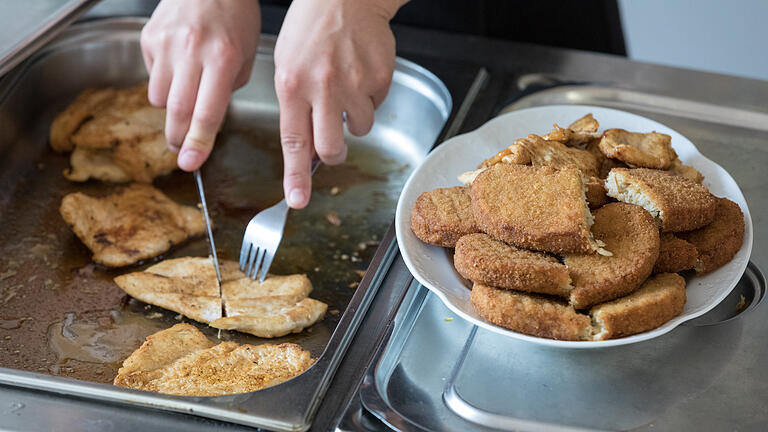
(725, 36)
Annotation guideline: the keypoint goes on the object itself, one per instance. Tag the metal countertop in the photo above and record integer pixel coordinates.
(459, 61)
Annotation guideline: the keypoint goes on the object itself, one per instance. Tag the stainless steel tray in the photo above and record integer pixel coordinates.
(47, 283)
(438, 372)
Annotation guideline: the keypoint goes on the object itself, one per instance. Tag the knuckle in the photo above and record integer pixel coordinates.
(331, 154)
(226, 53)
(206, 116)
(381, 78)
(191, 36)
(178, 108)
(286, 82)
(292, 143)
(325, 76)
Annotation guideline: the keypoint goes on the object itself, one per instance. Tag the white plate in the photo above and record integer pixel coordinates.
(432, 266)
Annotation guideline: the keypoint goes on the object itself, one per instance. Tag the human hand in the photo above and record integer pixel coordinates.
(197, 53)
(332, 57)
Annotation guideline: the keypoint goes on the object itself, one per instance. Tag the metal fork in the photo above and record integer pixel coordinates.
(262, 237)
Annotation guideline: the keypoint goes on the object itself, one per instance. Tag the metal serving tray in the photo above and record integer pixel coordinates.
(62, 316)
(438, 372)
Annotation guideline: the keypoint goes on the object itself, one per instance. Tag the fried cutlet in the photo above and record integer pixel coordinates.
(484, 260)
(136, 223)
(645, 150)
(660, 299)
(604, 163)
(276, 307)
(273, 308)
(95, 163)
(78, 112)
(719, 241)
(594, 190)
(630, 234)
(677, 203)
(689, 172)
(184, 285)
(181, 361)
(442, 216)
(675, 254)
(577, 133)
(538, 208)
(556, 155)
(530, 314)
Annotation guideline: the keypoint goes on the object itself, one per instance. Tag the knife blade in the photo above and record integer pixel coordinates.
(211, 243)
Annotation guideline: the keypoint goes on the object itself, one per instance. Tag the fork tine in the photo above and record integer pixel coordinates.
(244, 253)
(257, 267)
(269, 255)
(251, 260)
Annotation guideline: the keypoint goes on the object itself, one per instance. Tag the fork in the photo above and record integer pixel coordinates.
(262, 237)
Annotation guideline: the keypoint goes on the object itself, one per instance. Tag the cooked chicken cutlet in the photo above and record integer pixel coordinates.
(719, 241)
(116, 135)
(530, 314)
(594, 190)
(442, 216)
(645, 150)
(689, 172)
(78, 112)
(538, 208)
(271, 316)
(677, 203)
(660, 299)
(126, 116)
(577, 133)
(630, 234)
(136, 223)
(181, 361)
(141, 159)
(95, 163)
(557, 155)
(675, 254)
(276, 307)
(184, 285)
(487, 261)
(604, 163)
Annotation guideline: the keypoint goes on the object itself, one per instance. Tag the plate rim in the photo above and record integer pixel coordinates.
(651, 334)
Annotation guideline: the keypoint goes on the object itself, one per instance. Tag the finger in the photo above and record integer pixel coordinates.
(245, 73)
(181, 102)
(159, 83)
(328, 132)
(379, 95)
(360, 116)
(210, 108)
(296, 141)
(146, 52)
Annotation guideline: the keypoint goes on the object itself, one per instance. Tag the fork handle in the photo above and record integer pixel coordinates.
(315, 164)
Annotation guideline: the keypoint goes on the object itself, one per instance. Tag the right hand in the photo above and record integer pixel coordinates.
(332, 57)
(197, 53)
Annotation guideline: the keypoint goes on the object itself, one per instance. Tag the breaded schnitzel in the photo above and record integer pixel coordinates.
(675, 254)
(95, 163)
(719, 241)
(577, 133)
(689, 172)
(182, 361)
(677, 203)
(594, 191)
(660, 299)
(484, 260)
(645, 150)
(442, 216)
(135, 223)
(556, 155)
(530, 314)
(538, 208)
(630, 234)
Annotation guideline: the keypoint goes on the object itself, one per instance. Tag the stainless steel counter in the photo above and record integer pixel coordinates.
(722, 389)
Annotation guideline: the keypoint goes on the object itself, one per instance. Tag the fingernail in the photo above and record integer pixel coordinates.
(296, 198)
(188, 158)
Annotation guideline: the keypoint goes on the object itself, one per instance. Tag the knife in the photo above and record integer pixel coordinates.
(211, 244)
